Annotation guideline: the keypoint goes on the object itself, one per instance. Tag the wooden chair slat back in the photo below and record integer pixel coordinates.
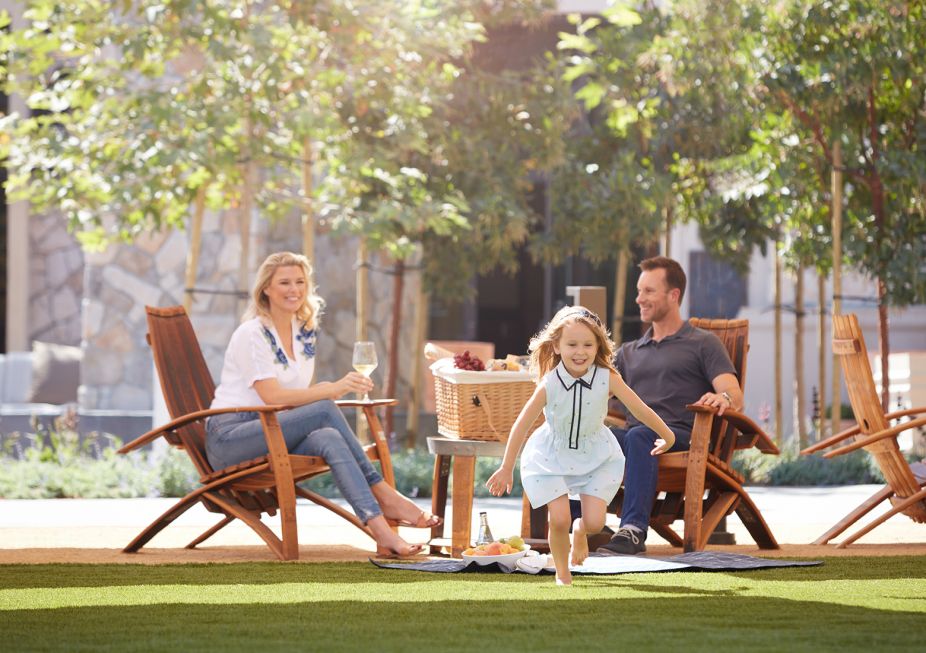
(186, 383)
(734, 334)
(849, 345)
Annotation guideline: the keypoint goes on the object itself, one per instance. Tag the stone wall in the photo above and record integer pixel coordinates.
(56, 285)
(117, 371)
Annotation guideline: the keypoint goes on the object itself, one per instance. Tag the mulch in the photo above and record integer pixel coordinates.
(341, 553)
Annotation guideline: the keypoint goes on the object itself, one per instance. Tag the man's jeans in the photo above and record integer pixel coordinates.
(640, 471)
(316, 429)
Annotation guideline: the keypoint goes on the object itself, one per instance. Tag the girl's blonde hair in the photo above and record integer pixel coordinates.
(543, 356)
(259, 306)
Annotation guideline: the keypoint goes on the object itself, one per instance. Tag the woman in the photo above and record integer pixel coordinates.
(270, 360)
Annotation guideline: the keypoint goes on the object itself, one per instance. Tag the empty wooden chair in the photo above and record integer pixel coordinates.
(247, 490)
(873, 432)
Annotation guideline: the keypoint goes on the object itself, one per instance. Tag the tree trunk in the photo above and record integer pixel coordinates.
(363, 275)
(836, 394)
(779, 432)
(620, 296)
(192, 255)
(398, 284)
(799, 357)
(308, 218)
(244, 225)
(820, 414)
(421, 333)
(885, 346)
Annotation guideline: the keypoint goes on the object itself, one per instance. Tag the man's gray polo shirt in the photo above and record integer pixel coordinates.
(673, 372)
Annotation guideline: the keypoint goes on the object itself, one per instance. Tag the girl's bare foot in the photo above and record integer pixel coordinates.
(579, 544)
(565, 580)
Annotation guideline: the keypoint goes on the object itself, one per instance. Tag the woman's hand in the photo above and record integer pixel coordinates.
(351, 382)
(500, 482)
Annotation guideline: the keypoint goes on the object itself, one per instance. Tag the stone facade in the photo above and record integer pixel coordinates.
(117, 371)
(56, 284)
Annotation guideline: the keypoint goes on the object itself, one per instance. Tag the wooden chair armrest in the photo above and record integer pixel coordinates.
(905, 412)
(743, 424)
(830, 441)
(856, 429)
(877, 437)
(189, 418)
(360, 403)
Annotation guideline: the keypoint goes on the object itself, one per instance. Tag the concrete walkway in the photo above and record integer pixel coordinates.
(56, 530)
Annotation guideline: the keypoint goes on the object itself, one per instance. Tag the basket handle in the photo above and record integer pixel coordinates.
(480, 401)
(434, 352)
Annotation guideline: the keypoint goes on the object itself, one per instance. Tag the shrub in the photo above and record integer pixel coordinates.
(790, 468)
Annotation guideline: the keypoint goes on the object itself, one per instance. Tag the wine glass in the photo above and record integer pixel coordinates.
(365, 360)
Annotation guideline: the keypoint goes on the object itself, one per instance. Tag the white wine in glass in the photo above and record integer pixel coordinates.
(365, 360)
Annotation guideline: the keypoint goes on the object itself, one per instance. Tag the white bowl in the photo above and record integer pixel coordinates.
(508, 559)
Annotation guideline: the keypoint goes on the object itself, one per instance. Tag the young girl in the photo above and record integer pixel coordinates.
(573, 452)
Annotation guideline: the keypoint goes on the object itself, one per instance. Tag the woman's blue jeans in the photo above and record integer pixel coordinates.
(316, 429)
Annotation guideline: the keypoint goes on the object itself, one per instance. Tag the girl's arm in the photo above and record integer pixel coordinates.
(643, 413)
(271, 392)
(500, 482)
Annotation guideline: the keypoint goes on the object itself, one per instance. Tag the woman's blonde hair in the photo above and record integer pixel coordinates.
(259, 306)
(544, 358)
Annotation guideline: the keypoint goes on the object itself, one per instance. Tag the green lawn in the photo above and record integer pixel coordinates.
(846, 604)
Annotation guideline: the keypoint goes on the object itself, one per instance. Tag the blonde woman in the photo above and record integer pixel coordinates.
(271, 360)
(573, 452)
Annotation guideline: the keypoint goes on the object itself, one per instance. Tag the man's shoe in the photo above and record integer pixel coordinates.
(600, 539)
(626, 542)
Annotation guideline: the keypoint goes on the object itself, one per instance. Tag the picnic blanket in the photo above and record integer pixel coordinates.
(602, 564)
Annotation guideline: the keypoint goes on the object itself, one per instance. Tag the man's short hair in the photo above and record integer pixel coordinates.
(675, 275)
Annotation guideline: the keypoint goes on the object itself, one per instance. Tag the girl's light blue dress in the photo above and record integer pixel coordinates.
(573, 452)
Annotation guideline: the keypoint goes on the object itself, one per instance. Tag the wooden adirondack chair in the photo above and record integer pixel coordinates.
(248, 489)
(906, 484)
(707, 466)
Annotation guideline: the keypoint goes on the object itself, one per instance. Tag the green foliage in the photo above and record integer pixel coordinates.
(793, 469)
(414, 473)
(58, 463)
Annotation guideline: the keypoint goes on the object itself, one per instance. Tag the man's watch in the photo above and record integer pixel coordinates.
(726, 395)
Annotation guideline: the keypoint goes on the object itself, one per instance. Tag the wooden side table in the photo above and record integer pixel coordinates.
(460, 455)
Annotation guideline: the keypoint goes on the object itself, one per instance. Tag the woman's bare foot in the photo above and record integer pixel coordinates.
(402, 510)
(388, 544)
(564, 580)
(579, 544)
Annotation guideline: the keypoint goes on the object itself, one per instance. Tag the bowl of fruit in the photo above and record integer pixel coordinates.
(505, 551)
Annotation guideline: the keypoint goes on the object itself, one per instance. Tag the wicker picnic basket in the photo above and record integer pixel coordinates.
(479, 405)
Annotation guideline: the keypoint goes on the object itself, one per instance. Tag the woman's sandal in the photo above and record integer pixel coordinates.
(425, 520)
(391, 554)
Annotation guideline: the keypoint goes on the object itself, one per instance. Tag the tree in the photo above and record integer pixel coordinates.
(854, 71)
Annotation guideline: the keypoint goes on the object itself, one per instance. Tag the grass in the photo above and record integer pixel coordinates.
(846, 604)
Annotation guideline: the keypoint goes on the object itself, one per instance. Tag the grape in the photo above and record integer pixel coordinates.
(466, 361)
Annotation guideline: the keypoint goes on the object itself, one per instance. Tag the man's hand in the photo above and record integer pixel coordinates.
(719, 400)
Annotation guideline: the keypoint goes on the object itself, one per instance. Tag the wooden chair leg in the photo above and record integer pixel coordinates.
(164, 521)
(209, 533)
(867, 506)
(333, 507)
(694, 482)
(899, 507)
(276, 544)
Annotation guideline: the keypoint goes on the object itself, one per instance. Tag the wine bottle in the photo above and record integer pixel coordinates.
(485, 533)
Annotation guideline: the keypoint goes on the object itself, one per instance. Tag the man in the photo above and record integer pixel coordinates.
(672, 365)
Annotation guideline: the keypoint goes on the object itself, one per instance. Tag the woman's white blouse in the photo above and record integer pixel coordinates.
(254, 353)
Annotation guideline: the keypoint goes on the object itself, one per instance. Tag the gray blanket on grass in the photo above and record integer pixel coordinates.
(601, 564)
